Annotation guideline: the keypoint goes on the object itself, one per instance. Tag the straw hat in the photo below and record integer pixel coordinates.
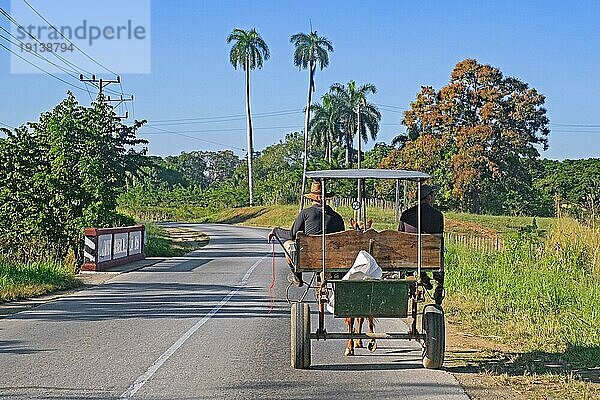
(315, 192)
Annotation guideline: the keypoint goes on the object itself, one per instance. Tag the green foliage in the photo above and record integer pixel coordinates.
(351, 102)
(575, 184)
(63, 173)
(249, 49)
(310, 50)
(326, 126)
(278, 171)
(539, 295)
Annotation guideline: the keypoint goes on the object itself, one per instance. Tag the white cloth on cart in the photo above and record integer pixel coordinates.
(364, 268)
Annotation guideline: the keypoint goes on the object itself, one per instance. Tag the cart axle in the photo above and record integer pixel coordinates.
(378, 335)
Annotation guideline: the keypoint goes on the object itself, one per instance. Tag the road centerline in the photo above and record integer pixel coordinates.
(146, 376)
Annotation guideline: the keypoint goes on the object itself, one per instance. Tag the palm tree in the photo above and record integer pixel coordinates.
(311, 50)
(325, 125)
(248, 52)
(358, 115)
(412, 133)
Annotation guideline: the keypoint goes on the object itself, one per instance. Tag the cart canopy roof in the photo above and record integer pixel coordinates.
(368, 173)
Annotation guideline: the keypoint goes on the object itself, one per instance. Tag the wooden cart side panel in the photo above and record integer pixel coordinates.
(391, 249)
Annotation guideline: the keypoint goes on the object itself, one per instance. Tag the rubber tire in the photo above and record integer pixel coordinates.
(435, 340)
(300, 336)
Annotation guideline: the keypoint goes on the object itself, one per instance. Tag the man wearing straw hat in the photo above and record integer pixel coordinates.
(308, 221)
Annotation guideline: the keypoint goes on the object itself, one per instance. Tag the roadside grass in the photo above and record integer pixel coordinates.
(172, 242)
(541, 298)
(23, 280)
(500, 223)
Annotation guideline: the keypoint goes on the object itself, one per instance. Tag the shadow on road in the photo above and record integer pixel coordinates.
(159, 300)
(579, 361)
(17, 347)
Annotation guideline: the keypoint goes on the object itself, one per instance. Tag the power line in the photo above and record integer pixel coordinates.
(227, 129)
(66, 71)
(226, 118)
(390, 106)
(82, 52)
(6, 125)
(191, 137)
(71, 71)
(64, 37)
(41, 69)
(74, 67)
(578, 125)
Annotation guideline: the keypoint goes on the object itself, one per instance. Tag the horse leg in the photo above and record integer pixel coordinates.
(358, 342)
(372, 345)
(350, 344)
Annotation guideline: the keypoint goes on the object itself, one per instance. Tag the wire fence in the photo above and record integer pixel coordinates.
(376, 203)
(474, 242)
(481, 243)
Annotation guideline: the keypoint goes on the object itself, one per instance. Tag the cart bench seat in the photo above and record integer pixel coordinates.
(393, 250)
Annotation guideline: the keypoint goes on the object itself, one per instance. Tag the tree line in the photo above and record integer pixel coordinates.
(478, 136)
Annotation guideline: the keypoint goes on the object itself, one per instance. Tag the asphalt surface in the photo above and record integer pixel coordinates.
(203, 326)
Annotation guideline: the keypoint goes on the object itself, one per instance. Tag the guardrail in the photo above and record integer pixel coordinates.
(108, 247)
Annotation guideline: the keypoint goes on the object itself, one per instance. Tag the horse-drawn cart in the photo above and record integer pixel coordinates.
(401, 255)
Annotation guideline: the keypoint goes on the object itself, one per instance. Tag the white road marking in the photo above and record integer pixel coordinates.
(145, 377)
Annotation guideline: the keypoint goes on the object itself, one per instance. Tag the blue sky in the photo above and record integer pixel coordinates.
(396, 45)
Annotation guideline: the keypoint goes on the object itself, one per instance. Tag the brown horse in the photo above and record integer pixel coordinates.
(372, 345)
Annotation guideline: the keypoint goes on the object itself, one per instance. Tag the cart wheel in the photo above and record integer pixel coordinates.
(435, 340)
(300, 336)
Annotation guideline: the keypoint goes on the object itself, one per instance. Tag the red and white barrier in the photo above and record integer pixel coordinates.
(107, 247)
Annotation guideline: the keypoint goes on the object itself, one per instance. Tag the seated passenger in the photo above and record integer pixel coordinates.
(309, 221)
(432, 221)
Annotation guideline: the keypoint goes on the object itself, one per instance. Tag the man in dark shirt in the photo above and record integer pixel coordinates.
(310, 222)
(432, 221)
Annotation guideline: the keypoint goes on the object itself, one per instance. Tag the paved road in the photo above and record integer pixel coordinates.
(201, 326)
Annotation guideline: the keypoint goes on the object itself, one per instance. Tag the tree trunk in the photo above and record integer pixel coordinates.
(348, 155)
(249, 127)
(311, 73)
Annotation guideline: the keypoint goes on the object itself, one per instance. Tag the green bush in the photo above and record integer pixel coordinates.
(63, 173)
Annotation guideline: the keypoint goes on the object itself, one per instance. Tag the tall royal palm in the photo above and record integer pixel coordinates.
(357, 114)
(325, 125)
(248, 52)
(311, 50)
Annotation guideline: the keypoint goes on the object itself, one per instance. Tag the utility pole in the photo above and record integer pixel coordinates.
(99, 83)
(358, 133)
(120, 100)
(359, 196)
